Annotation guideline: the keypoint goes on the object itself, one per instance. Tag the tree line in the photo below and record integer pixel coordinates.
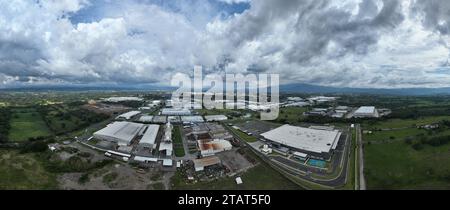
(5, 117)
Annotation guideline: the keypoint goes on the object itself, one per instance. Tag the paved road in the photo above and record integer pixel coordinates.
(362, 180)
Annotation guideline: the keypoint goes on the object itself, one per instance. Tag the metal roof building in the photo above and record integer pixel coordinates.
(208, 148)
(166, 144)
(167, 162)
(366, 111)
(175, 112)
(167, 147)
(128, 115)
(318, 142)
(192, 119)
(160, 119)
(145, 159)
(120, 132)
(120, 99)
(174, 119)
(149, 138)
(200, 164)
(146, 119)
(211, 118)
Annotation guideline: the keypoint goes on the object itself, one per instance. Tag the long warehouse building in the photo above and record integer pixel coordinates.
(366, 112)
(316, 143)
(121, 133)
(148, 141)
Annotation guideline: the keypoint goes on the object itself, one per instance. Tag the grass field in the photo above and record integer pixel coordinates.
(398, 166)
(62, 118)
(394, 135)
(26, 123)
(244, 136)
(178, 142)
(23, 171)
(291, 115)
(391, 163)
(403, 123)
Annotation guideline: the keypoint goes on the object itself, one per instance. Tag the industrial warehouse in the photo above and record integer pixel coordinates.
(366, 112)
(314, 142)
(149, 138)
(121, 133)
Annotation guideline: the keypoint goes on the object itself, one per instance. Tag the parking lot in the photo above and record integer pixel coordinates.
(256, 127)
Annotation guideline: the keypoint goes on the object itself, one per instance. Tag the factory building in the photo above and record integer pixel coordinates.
(166, 143)
(175, 112)
(208, 148)
(121, 133)
(192, 119)
(201, 164)
(146, 119)
(174, 119)
(148, 141)
(216, 118)
(122, 99)
(366, 112)
(160, 119)
(318, 144)
(128, 115)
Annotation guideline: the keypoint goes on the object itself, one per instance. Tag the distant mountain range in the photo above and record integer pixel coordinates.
(290, 88)
(305, 88)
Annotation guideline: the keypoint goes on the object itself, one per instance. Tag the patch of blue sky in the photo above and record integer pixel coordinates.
(197, 11)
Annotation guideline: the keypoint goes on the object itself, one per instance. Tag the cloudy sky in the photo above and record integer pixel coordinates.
(345, 43)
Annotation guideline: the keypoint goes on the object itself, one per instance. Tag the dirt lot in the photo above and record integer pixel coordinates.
(116, 177)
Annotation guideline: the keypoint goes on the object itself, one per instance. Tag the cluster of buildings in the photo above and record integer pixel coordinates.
(130, 135)
(348, 112)
(122, 99)
(210, 138)
(173, 116)
(153, 104)
(300, 102)
(145, 138)
(154, 133)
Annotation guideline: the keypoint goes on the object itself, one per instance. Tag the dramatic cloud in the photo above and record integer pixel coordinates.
(357, 43)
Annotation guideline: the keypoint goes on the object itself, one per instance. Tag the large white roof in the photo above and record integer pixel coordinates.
(146, 118)
(119, 99)
(129, 115)
(150, 135)
(143, 159)
(192, 119)
(304, 138)
(365, 110)
(170, 111)
(122, 131)
(216, 117)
